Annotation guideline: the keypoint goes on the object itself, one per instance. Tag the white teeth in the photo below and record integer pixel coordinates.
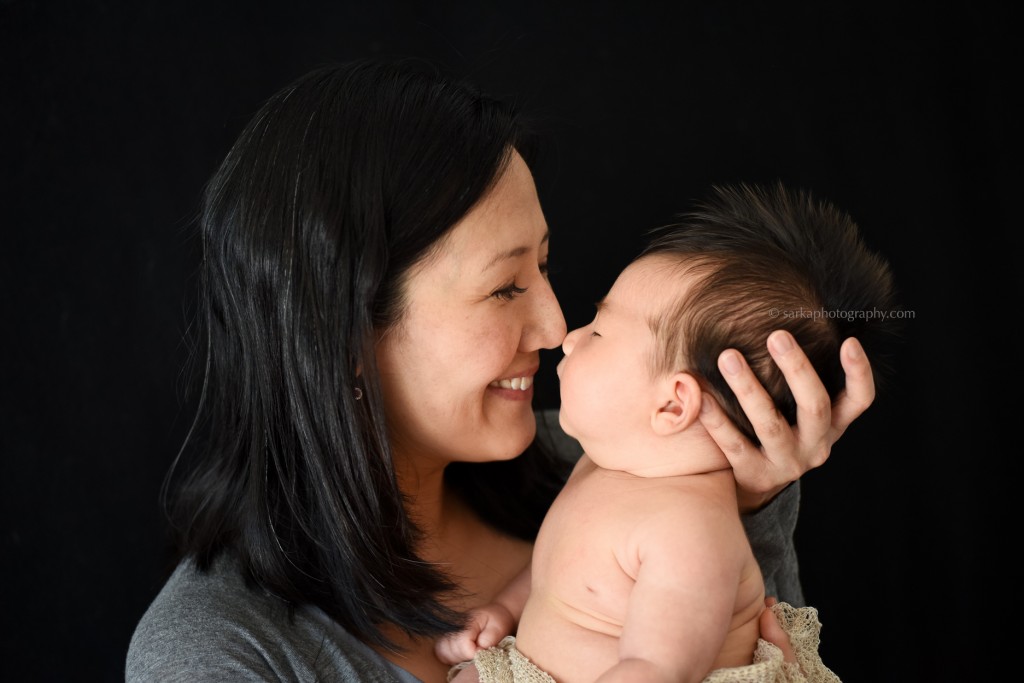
(517, 383)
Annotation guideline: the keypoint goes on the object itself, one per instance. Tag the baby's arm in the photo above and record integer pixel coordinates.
(488, 624)
(686, 572)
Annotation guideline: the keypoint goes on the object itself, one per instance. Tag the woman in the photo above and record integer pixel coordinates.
(375, 297)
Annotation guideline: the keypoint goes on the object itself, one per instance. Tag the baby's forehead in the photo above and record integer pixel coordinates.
(655, 281)
(662, 272)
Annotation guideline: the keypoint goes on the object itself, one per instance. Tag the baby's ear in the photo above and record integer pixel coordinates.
(678, 404)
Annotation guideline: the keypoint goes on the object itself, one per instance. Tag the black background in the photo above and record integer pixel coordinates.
(115, 114)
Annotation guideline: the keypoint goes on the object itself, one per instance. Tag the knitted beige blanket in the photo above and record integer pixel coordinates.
(505, 664)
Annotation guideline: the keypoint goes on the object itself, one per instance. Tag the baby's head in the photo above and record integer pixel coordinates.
(751, 260)
(615, 400)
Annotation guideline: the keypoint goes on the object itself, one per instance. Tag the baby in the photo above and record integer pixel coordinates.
(641, 570)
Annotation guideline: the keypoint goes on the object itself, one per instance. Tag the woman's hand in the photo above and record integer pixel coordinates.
(786, 452)
(772, 631)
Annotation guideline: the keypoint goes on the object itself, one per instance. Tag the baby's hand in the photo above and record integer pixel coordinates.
(486, 627)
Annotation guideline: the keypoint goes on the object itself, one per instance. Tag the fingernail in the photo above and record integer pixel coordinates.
(854, 351)
(781, 342)
(731, 362)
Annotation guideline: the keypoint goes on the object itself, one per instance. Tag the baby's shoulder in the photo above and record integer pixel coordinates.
(681, 511)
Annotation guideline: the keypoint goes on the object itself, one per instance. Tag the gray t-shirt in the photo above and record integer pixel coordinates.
(209, 626)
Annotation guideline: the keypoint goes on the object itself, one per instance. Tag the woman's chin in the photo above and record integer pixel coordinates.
(515, 438)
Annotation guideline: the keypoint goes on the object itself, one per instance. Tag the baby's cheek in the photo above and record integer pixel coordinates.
(581, 399)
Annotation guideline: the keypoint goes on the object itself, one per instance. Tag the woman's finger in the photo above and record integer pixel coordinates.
(813, 406)
(772, 631)
(722, 430)
(757, 479)
(771, 428)
(859, 392)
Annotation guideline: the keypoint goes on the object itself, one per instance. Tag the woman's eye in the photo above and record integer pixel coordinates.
(544, 270)
(508, 292)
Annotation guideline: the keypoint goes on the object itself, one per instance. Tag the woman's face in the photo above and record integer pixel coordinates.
(457, 370)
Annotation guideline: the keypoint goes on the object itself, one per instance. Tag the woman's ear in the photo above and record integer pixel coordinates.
(678, 404)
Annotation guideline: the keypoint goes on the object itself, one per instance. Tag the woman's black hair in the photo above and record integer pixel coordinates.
(341, 182)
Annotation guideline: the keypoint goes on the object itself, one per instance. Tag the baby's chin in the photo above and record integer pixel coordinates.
(567, 427)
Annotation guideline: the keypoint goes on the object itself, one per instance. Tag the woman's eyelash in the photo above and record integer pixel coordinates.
(509, 292)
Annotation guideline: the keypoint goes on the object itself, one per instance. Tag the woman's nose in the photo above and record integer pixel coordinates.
(548, 323)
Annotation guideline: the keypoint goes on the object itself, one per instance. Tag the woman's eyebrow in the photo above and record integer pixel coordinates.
(504, 256)
(512, 253)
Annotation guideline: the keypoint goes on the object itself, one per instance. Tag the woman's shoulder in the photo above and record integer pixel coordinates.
(209, 625)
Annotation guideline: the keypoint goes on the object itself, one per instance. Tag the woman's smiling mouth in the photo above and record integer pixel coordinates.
(517, 383)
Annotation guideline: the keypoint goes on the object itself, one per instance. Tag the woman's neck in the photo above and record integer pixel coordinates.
(427, 501)
(480, 559)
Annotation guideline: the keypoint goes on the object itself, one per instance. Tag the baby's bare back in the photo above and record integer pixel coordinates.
(608, 533)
